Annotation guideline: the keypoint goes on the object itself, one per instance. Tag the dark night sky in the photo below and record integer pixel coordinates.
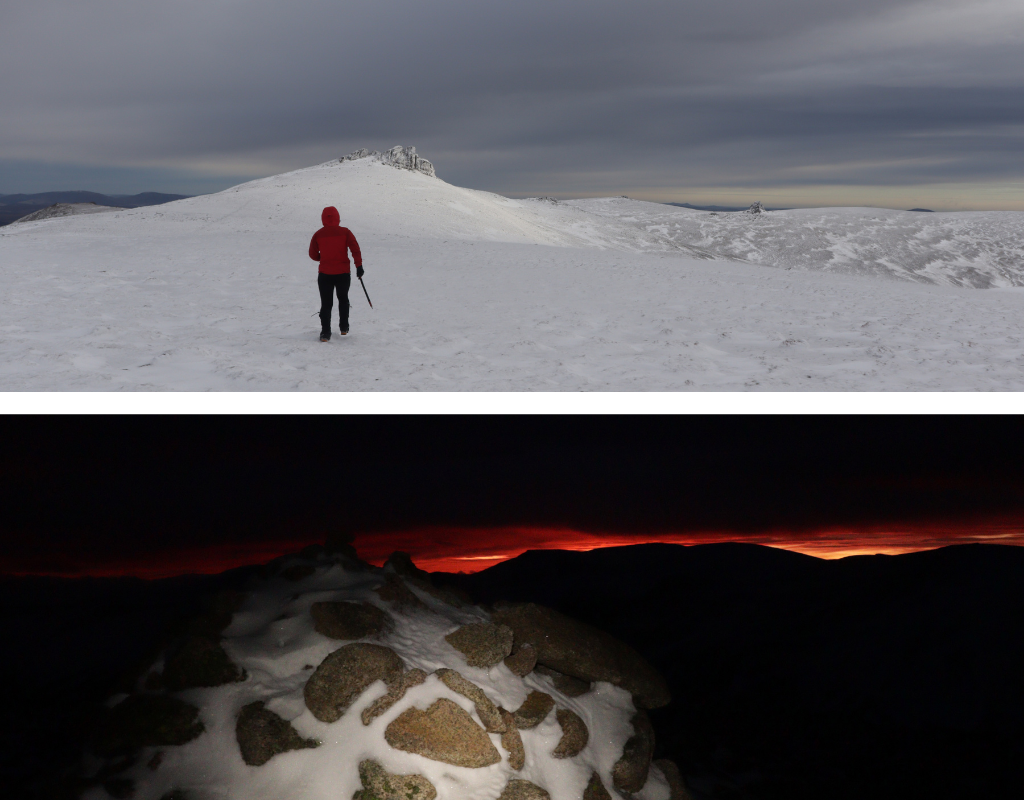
(159, 496)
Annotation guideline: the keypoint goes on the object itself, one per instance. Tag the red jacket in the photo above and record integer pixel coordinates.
(330, 245)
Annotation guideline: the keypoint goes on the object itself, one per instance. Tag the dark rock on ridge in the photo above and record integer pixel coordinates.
(595, 789)
(482, 643)
(395, 591)
(444, 732)
(512, 741)
(262, 734)
(523, 660)
(200, 662)
(676, 785)
(581, 651)
(147, 721)
(345, 674)
(566, 684)
(630, 772)
(534, 709)
(344, 620)
(574, 734)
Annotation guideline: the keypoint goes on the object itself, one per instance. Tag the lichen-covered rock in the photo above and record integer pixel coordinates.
(581, 651)
(147, 721)
(485, 709)
(262, 734)
(444, 732)
(395, 692)
(595, 789)
(566, 684)
(512, 741)
(574, 734)
(345, 674)
(676, 785)
(523, 660)
(200, 662)
(349, 620)
(534, 709)
(379, 784)
(482, 643)
(630, 772)
(395, 591)
(517, 789)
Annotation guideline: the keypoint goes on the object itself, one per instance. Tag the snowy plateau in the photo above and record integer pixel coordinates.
(473, 291)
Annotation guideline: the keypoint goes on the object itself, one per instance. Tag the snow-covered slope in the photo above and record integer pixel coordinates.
(473, 291)
(256, 710)
(64, 210)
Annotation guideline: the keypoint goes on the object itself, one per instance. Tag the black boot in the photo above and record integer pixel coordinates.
(325, 328)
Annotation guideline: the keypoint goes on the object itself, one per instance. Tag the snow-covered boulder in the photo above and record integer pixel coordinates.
(398, 156)
(756, 208)
(427, 709)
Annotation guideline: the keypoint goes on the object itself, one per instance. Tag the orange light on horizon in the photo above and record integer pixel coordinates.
(447, 549)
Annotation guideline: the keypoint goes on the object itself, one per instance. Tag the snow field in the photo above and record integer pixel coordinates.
(474, 292)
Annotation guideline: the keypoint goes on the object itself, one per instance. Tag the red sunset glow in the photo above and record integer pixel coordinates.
(445, 549)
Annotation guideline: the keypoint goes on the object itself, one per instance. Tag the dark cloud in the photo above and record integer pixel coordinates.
(658, 93)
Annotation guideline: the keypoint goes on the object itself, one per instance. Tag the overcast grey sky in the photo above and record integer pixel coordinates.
(793, 102)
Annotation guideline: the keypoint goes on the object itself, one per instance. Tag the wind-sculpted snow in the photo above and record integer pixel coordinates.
(981, 249)
(474, 291)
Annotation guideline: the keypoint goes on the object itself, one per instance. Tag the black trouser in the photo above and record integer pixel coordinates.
(328, 285)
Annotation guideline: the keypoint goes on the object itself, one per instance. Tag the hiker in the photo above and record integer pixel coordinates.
(330, 246)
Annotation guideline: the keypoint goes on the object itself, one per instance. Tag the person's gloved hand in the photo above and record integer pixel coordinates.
(359, 272)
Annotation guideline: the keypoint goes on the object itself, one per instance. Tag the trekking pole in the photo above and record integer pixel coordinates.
(368, 300)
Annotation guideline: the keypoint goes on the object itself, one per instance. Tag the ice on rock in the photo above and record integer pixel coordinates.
(398, 156)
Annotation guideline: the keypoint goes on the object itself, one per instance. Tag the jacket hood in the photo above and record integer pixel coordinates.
(330, 217)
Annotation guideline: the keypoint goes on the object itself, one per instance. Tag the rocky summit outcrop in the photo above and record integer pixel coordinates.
(482, 643)
(595, 789)
(200, 662)
(534, 709)
(345, 674)
(756, 208)
(400, 596)
(516, 789)
(574, 734)
(677, 787)
(341, 620)
(444, 732)
(398, 156)
(523, 660)
(566, 684)
(630, 772)
(379, 784)
(485, 709)
(581, 651)
(147, 721)
(512, 741)
(262, 734)
(395, 692)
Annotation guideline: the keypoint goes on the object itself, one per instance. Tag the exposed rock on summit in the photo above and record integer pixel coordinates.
(200, 662)
(566, 684)
(516, 789)
(444, 732)
(534, 709)
(485, 709)
(574, 734)
(482, 643)
(523, 660)
(349, 620)
(345, 674)
(630, 772)
(379, 784)
(581, 651)
(398, 156)
(512, 741)
(262, 734)
(396, 692)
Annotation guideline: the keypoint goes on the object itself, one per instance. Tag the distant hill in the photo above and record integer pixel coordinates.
(16, 206)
